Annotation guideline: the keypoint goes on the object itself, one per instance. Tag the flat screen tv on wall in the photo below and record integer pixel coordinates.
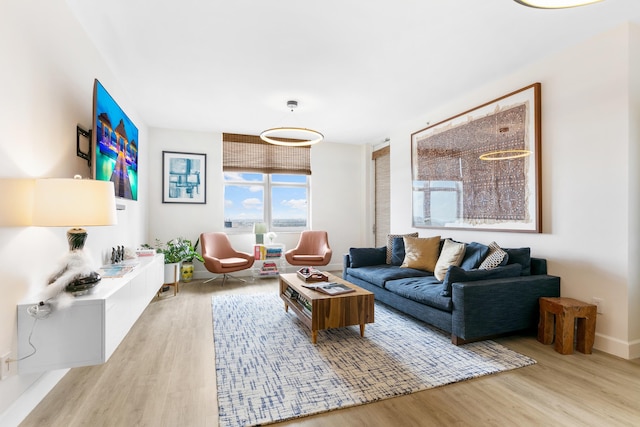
(115, 144)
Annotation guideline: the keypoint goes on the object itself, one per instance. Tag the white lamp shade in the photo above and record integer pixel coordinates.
(17, 205)
(60, 202)
(556, 4)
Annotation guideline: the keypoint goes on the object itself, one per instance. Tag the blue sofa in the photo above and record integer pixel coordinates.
(470, 304)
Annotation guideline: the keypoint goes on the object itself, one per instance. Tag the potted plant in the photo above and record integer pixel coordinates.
(186, 268)
(175, 252)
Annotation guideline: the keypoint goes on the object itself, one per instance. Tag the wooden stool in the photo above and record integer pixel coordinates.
(566, 312)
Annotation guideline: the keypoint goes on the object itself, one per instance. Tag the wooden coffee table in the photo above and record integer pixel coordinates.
(327, 311)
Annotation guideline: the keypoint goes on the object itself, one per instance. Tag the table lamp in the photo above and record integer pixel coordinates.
(259, 228)
(60, 202)
(17, 207)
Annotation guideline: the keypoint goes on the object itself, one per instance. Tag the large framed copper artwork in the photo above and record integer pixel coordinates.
(480, 169)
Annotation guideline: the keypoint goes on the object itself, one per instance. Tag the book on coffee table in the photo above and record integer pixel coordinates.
(330, 288)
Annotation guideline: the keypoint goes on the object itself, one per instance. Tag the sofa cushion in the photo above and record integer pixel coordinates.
(496, 257)
(362, 257)
(520, 256)
(425, 290)
(474, 254)
(421, 252)
(397, 251)
(390, 238)
(450, 254)
(380, 274)
(457, 274)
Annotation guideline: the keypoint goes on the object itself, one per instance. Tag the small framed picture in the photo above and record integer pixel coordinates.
(184, 177)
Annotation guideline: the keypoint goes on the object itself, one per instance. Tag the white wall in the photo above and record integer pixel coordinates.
(46, 82)
(589, 179)
(337, 185)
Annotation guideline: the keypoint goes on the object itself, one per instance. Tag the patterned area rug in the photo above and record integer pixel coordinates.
(268, 370)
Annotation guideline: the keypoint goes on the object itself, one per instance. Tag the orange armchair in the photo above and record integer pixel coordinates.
(220, 258)
(312, 250)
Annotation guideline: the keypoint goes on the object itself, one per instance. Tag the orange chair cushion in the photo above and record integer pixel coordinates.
(233, 262)
(308, 257)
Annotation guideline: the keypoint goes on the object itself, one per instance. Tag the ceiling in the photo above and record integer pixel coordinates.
(357, 68)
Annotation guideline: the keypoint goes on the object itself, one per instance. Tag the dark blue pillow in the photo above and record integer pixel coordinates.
(363, 257)
(457, 274)
(474, 254)
(520, 256)
(397, 251)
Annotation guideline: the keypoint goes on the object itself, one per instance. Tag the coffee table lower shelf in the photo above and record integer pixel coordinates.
(327, 311)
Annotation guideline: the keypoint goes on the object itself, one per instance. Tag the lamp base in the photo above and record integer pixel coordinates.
(82, 285)
(76, 238)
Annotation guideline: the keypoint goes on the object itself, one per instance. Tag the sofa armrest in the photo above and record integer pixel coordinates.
(346, 263)
(493, 307)
(538, 266)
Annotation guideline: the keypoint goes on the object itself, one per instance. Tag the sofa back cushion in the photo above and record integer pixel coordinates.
(363, 257)
(450, 254)
(397, 251)
(520, 256)
(457, 274)
(474, 254)
(421, 252)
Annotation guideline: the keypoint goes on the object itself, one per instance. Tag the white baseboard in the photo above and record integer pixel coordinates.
(18, 411)
(616, 347)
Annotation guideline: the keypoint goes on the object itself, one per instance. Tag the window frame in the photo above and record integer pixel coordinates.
(267, 185)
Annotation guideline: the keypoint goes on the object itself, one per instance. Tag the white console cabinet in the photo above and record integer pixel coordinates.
(90, 330)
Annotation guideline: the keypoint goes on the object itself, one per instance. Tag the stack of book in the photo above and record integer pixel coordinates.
(291, 293)
(269, 269)
(273, 252)
(261, 252)
(305, 303)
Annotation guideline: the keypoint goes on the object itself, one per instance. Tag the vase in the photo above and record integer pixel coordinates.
(186, 271)
(172, 272)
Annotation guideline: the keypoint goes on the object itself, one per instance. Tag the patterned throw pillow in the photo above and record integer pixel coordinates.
(421, 253)
(495, 257)
(390, 238)
(452, 253)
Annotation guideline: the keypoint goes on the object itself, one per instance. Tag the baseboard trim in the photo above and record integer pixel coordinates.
(18, 411)
(617, 347)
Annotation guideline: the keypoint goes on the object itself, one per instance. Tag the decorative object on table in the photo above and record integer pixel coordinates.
(184, 177)
(259, 229)
(480, 169)
(71, 203)
(309, 274)
(271, 236)
(402, 354)
(145, 252)
(290, 135)
(117, 254)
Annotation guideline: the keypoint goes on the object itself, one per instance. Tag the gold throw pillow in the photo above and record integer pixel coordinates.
(421, 253)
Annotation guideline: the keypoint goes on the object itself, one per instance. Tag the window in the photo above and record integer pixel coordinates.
(279, 200)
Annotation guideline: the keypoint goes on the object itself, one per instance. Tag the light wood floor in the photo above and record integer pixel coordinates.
(163, 374)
